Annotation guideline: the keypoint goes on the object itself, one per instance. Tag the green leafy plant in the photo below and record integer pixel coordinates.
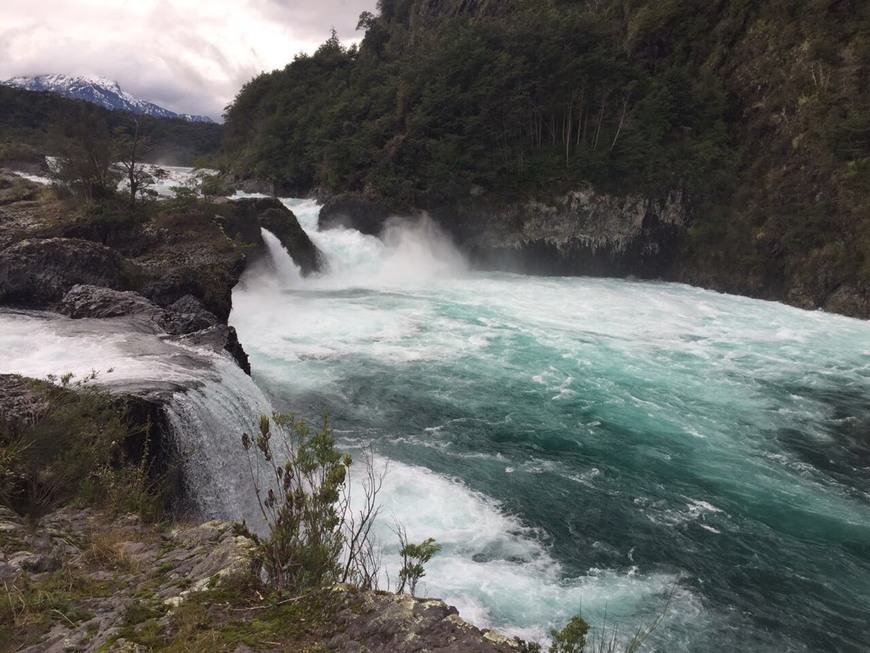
(305, 505)
(414, 556)
(571, 638)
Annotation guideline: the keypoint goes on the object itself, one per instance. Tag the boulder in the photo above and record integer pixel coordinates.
(185, 317)
(249, 215)
(16, 189)
(221, 337)
(353, 212)
(40, 272)
(88, 301)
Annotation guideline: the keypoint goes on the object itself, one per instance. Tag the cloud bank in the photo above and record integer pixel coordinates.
(189, 56)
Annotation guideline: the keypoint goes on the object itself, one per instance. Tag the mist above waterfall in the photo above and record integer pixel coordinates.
(412, 251)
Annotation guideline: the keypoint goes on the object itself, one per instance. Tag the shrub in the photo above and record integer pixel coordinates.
(304, 504)
(571, 638)
(414, 556)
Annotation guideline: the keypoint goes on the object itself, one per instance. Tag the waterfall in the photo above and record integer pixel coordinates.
(286, 270)
(207, 423)
(208, 400)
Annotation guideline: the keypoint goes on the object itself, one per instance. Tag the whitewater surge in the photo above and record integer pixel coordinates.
(606, 446)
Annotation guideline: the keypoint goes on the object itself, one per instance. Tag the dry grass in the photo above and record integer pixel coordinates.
(108, 549)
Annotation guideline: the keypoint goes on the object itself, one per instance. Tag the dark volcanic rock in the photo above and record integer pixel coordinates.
(353, 212)
(250, 215)
(40, 272)
(96, 302)
(220, 337)
(186, 316)
(211, 285)
(582, 233)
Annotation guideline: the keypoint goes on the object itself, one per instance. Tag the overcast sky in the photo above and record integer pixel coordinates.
(190, 56)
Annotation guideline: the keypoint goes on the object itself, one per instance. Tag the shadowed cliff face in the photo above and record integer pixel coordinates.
(580, 233)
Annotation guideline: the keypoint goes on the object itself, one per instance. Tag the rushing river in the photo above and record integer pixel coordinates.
(610, 447)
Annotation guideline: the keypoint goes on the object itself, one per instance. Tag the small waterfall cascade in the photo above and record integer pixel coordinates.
(286, 270)
(208, 400)
(207, 422)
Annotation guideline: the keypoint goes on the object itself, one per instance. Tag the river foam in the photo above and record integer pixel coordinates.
(590, 444)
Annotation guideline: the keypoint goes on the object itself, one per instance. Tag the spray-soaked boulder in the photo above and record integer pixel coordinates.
(353, 212)
(250, 215)
(186, 317)
(40, 272)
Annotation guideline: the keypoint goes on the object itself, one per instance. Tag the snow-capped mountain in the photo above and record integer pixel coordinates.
(98, 90)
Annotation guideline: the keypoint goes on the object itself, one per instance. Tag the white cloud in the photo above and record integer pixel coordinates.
(187, 55)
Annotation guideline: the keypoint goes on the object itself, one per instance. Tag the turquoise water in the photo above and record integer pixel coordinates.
(610, 447)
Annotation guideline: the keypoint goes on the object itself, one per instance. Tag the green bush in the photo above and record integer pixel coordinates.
(314, 538)
(304, 543)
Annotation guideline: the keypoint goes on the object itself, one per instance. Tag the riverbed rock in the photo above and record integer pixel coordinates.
(39, 272)
(249, 215)
(185, 317)
(579, 233)
(90, 301)
(353, 212)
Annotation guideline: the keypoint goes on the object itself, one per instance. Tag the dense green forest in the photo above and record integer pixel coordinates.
(757, 111)
(42, 123)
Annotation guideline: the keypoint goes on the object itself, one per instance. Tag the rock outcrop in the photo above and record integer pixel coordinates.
(400, 623)
(185, 317)
(119, 584)
(121, 575)
(580, 233)
(353, 212)
(249, 215)
(16, 189)
(39, 272)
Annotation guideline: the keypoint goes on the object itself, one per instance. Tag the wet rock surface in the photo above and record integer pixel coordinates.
(580, 233)
(353, 212)
(249, 215)
(39, 272)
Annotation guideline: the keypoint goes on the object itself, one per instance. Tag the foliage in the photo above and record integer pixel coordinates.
(756, 112)
(40, 120)
(73, 447)
(414, 556)
(571, 638)
(84, 163)
(304, 504)
(131, 148)
(540, 94)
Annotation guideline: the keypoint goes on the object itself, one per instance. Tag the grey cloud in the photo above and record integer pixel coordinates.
(178, 67)
(316, 18)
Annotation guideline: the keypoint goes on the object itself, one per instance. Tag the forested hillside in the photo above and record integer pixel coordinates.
(758, 112)
(43, 123)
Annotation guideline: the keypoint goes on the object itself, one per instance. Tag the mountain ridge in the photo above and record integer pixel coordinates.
(97, 90)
